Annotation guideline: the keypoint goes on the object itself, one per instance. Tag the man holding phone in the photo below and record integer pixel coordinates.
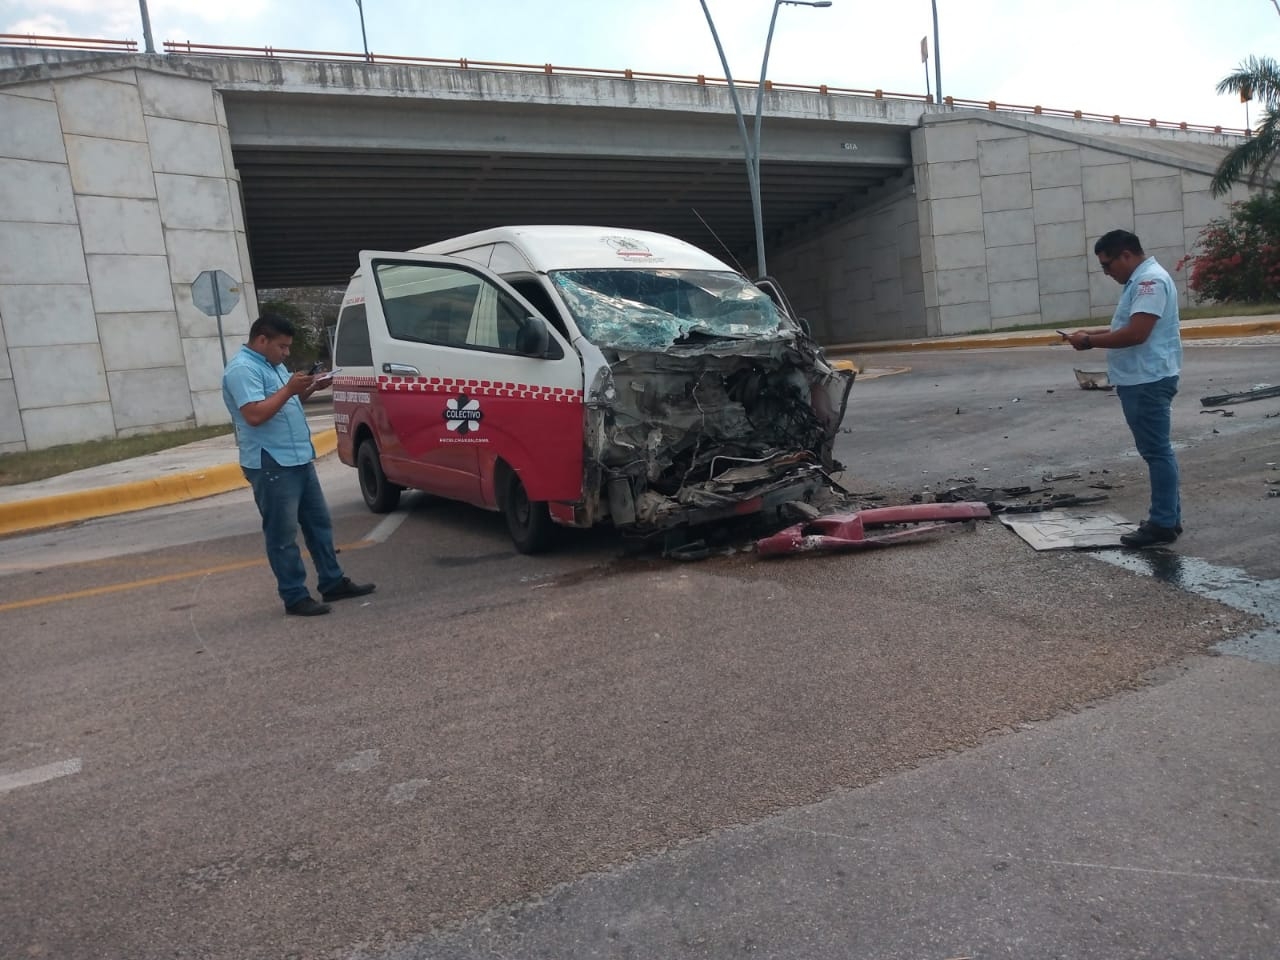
(323, 378)
(1144, 361)
(276, 456)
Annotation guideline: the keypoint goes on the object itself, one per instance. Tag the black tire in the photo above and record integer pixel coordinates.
(528, 521)
(380, 494)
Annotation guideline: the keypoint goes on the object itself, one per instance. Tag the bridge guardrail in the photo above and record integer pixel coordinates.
(68, 43)
(187, 48)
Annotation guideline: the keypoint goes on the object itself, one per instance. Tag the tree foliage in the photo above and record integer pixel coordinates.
(313, 311)
(1252, 161)
(1237, 257)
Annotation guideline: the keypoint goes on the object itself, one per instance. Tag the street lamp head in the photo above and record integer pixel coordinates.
(806, 3)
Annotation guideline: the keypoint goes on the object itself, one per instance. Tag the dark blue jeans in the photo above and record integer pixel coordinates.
(289, 498)
(1147, 411)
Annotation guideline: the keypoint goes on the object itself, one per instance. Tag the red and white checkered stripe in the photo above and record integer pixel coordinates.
(478, 388)
(349, 382)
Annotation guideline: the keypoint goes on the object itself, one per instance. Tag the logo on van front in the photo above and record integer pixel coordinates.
(629, 248)
(462, 415)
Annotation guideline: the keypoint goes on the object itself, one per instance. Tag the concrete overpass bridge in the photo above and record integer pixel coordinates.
(335, 157)
(126, 175)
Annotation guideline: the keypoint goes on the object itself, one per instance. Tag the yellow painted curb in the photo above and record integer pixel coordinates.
(875, 373)
(1049, 338)
(944, 343)
(41, 512)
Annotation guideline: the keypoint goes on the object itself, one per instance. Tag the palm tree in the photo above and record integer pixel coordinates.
(1251, 162)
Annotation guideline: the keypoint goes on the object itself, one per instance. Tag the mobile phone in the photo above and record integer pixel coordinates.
(315, 368)
(1063, 334)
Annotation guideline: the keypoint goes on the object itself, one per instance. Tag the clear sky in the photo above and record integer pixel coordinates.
(1138, 58)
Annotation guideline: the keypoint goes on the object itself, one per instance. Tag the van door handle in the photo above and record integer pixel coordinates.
(400, 370)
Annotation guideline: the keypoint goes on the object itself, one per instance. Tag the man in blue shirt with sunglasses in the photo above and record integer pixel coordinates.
(276, 454)
(1144, 361)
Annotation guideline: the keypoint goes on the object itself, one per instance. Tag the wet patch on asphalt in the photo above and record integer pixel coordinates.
(1227, 585)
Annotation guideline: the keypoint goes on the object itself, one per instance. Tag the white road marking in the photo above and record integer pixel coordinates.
(1160, 873)
(362, 761)
(1192, 874)
(388, 526)
(50, 771)
(407, 791)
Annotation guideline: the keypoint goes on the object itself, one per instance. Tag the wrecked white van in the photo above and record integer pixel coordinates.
(580, 375)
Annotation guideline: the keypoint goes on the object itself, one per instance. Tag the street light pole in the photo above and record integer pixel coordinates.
(363, 38)
(146, 27)
(750, 146)
(757, 204)
(742, 131)
(937, 55)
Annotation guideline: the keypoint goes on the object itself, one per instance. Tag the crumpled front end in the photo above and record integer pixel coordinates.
(697, 434)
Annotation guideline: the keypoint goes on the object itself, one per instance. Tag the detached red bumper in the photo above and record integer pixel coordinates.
(855, 531)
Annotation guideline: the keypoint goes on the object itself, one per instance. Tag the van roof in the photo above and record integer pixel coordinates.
(560, 247)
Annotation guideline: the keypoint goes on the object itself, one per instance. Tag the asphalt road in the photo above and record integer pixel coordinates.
(595, 755)
(1011, 416)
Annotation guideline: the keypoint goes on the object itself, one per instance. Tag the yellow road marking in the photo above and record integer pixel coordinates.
(149, 581)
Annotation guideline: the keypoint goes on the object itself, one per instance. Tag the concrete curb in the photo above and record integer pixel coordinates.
(1046, 339)
(39, 513)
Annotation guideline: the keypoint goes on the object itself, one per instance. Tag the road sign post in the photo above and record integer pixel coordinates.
(215, 293)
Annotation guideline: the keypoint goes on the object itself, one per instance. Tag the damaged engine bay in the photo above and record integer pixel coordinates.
(710, 403)
(715, 433)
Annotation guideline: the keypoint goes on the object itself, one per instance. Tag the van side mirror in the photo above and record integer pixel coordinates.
(533, 338)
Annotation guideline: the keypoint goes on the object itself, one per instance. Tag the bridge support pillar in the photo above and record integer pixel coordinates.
(117, 188)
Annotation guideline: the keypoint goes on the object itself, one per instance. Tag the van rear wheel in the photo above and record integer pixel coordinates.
(380, 494)
(528, 521)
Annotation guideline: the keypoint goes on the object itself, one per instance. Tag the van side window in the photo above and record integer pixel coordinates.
(423, 303)
(432, 316)
(352, 348)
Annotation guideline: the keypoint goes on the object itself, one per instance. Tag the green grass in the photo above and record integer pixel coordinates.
(39, 464)
(1061, 324)
(1230, 310)
(1206, 312)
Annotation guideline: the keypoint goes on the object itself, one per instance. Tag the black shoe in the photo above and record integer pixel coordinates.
(306, 607)
(1150, 535)
(346, 589)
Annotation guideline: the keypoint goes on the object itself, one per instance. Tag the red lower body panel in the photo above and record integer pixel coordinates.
(855, 531)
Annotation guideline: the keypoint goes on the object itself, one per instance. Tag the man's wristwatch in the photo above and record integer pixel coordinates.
(1088, 343)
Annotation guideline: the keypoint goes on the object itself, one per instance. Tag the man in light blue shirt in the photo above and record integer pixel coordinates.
(276, 454)
(1144, 360)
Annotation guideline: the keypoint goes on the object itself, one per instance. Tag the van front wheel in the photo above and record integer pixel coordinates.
(528, 521)
(380, 494)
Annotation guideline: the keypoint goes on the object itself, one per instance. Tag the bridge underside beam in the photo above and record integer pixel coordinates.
(325, 176)
(311, 211)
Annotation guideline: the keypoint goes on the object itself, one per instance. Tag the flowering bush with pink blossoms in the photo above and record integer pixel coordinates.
(1237, 258)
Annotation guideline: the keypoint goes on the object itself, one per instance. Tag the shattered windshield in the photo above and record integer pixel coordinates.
(656, 309)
